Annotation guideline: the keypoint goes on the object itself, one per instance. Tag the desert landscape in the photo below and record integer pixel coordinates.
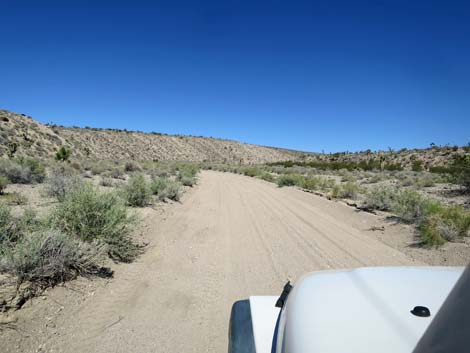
(119, 241)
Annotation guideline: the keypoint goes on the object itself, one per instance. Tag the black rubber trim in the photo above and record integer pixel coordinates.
(240, 334)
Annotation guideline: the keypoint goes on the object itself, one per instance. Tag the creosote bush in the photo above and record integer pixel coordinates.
(93, 215)
(137, 191)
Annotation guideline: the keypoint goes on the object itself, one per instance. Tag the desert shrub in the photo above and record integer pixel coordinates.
(350, 190)
(289, 180)
(132, 166)
(417, 166)
(158, 184)
(12, 228)
(187, 181)
(407, 181)
(311, 183)
(63, 154)
(106, 182)
(16, 199)
(49, 257)
(336, 191)
(348, 178)
(460, 170)
(3, 184)
(115, 173)
(90, 215)
(408, 205)
(380, 199)
(251, 171)
(97, 169)
(186, 174)
(23, 170)
(441, 224)
(374, 179)
(425, 181)
(137, 191)
(7, 225)
(327, 184)
(266, 176)
(76, 166)
(61, 181)
(172, 191)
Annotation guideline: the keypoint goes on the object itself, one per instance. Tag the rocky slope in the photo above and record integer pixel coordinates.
(35, 139)
(39, 140)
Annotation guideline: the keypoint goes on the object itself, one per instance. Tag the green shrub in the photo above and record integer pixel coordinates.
(425, 181)
(348, 190)
(97, 169)
(7, 225)
(380, 199)
(289, 180)
(22, 170)
(408, 205)
(63, 154)
(61, 181)
(460, 170)
(251, 171)
(158, 184)
(106, 182)
(16, 199)
(137, 191)
(266, 176)
(90, 215)
(48, 258)
(311, 183)
(186, 174)
(336, 191)
(172, 191)
(3, 184)
(441, 224)
(187, 180)
(375, 179)
(12, 228)
(417, 166)
(115, 173)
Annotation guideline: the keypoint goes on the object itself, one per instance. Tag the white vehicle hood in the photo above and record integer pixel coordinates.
(363, 310)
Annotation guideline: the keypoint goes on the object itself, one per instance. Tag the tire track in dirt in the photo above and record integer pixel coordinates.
(231, 237)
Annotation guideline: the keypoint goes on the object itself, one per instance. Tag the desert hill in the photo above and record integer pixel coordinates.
(40, 140)
(33, 138)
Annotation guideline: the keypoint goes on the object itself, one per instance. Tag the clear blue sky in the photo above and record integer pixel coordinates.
(308, 75)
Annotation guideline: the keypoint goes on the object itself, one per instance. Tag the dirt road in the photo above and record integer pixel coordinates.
(232, 237)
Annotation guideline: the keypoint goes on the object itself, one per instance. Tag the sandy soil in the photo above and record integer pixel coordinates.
(231, 237)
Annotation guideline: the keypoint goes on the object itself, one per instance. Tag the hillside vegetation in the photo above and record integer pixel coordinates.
(22, 135)
(29, 137)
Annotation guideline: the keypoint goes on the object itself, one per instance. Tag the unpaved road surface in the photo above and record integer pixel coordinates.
(232, 237)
